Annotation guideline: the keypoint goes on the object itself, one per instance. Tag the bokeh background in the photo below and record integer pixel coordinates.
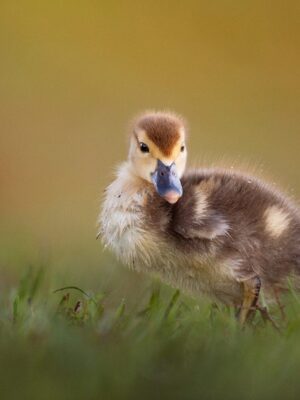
(72, 74)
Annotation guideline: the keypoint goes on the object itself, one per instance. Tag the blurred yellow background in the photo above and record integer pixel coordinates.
(72, 74)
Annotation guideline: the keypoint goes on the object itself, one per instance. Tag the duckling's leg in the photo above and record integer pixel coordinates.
(251, 294)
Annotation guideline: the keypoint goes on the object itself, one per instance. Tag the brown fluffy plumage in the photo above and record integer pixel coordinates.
(238, 203)
(228, 236)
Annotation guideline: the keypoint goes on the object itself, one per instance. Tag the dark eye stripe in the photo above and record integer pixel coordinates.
(144, 148)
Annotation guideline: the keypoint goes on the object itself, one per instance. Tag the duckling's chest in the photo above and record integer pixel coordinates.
(124, 226)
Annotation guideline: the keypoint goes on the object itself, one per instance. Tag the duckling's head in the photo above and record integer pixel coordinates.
(158, 152)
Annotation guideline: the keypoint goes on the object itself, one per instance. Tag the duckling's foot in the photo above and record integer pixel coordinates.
(267, 317)
(251, 294)
(280, 305)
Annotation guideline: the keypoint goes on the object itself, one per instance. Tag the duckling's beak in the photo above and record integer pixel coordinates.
(167, 182)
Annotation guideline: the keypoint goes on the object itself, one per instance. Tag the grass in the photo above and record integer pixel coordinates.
(74, 343)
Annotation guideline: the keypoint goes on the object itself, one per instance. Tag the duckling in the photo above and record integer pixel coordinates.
(212, 231)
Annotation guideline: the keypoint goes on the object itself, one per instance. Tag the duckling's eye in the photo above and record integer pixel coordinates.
(144, 148)
(182, 149)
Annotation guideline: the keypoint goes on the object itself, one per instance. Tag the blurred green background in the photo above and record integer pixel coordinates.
(72, 74)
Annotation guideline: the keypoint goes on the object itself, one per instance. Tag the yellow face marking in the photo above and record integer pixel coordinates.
(277, 221)
(155, 152)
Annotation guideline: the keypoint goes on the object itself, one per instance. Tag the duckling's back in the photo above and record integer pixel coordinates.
(238, 222)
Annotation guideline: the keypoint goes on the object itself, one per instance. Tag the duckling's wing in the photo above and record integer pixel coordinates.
(195, 216)
(209, 227)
